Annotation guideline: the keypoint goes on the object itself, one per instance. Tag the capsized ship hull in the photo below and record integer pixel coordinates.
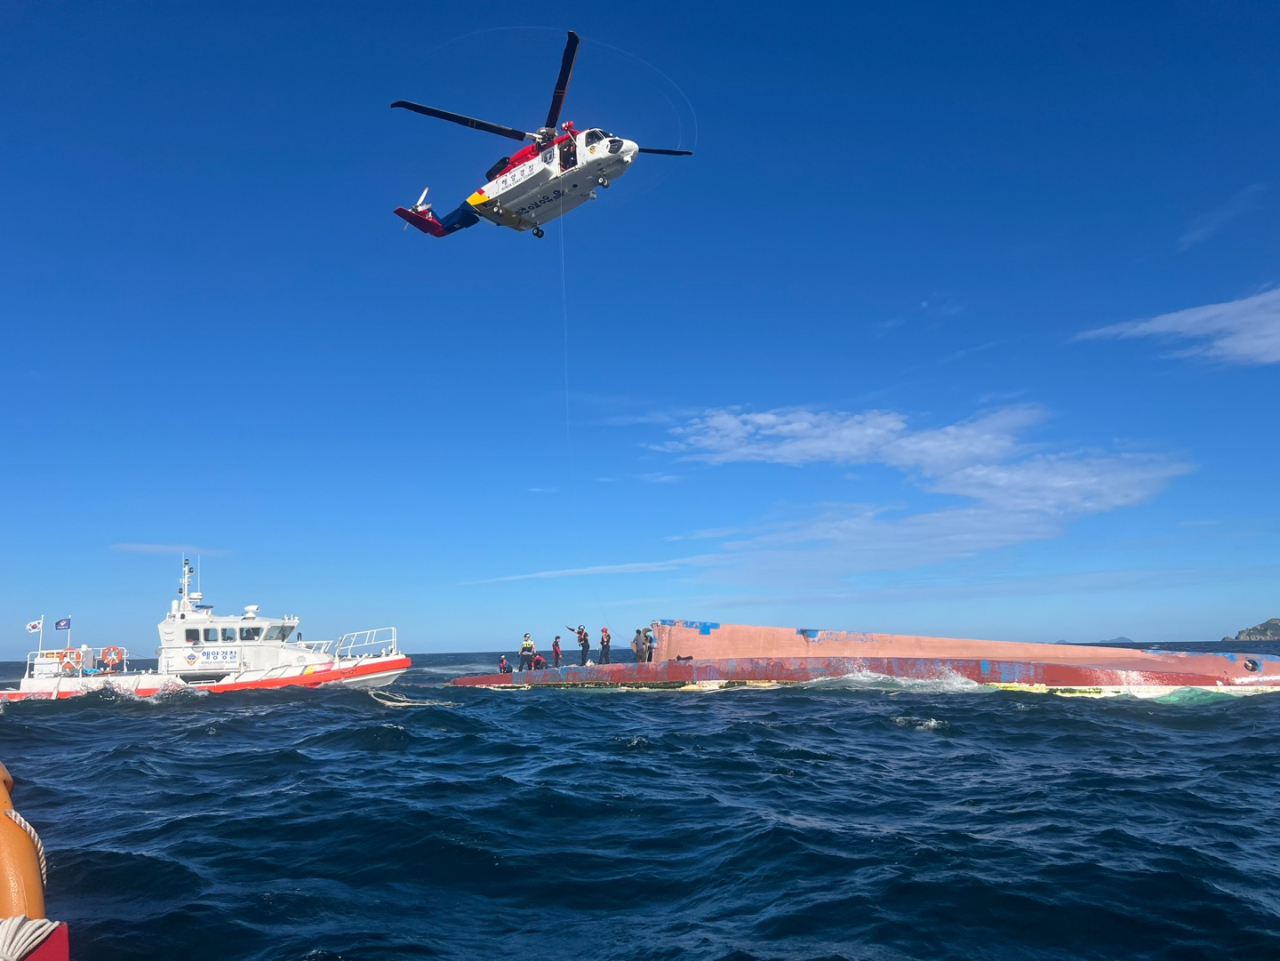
(700, 654)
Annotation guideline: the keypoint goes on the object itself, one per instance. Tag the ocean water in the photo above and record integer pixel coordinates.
(849, 819)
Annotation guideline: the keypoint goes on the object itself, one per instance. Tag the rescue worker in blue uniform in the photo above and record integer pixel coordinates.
(527, 650)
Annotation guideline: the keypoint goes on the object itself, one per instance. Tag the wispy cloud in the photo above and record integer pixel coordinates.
(1245, 331)
(543, 490)
(188, 549)
(1011, 491)
(643, 567)
(1015, 491)
(1205, 226)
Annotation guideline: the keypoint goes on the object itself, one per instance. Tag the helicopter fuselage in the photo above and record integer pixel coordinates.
(537, 184)
(541, 183)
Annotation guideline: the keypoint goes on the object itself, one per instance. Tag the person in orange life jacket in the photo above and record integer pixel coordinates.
(539, 662)
(527, 650)
(584, 641)
(555, 651)
(503, 666)
(604, 645)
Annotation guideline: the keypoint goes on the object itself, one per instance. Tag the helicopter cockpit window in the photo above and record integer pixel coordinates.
(595, 136)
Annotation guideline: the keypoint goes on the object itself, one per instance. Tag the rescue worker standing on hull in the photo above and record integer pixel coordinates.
(555, 651)
(527, 650)
(605, 640)
(584, 640)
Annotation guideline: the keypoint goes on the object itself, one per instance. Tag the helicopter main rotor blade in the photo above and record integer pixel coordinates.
(466, 121)
(667, 153)
(562, 81)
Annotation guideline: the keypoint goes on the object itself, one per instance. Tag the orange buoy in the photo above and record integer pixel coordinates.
(70, 659)
(111, 656)
(25, 932)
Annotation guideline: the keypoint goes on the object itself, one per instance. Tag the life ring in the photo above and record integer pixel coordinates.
(70, 659)
(22, 866)
(111, 656)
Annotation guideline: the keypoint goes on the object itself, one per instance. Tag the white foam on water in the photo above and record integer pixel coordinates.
(392, 699)
(948, 683)
(931, 724)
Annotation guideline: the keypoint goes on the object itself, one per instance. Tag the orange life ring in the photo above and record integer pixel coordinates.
(70, 659)
(111, 656)
(23, 890)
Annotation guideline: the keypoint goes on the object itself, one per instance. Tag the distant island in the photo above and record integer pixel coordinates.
(1118, 640)
(1266, 631)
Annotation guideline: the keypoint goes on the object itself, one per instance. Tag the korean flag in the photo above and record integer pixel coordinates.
(63, 625)
(33, 627)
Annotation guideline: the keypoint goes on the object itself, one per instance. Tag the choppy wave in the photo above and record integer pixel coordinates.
(855, 818)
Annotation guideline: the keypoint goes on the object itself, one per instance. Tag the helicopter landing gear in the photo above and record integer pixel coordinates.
(603, 181)
(539, 232)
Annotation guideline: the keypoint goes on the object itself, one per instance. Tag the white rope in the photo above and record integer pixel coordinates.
(21, 935)
(22, 822)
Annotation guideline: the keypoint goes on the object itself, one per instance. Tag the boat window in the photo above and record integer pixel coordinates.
(276, 632)
(228, 635)
(595, 136)
(250, 633)
(193, 634)
(210, 633)
(285, 631)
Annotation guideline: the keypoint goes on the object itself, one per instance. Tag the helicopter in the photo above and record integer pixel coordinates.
(541, 181)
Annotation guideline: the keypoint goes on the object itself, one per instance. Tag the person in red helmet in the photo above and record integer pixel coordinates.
(605, 640)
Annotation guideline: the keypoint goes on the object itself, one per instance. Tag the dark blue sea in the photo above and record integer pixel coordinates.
(850, 819)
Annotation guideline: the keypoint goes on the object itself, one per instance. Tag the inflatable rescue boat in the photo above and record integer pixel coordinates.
(703, 654)
(200, 650)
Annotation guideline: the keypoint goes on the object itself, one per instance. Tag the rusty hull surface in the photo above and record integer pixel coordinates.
(702, 654)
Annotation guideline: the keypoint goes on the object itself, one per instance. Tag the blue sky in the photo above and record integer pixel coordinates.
(960, 321)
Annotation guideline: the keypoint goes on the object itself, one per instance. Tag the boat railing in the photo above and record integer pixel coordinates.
(380, 641)
(54, 662)
(320, 647)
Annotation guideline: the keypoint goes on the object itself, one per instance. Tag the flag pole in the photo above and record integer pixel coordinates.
(42, 632)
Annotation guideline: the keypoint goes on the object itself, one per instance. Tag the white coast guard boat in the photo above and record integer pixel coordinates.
(200, 650)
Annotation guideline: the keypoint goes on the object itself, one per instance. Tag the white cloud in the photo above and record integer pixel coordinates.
(1016, 492)
(1209, 224)
(643, 567)
(1013, 491)
(784, 436)
(1245, 331)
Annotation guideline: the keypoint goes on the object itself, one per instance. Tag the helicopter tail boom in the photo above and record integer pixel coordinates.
(426, 220)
